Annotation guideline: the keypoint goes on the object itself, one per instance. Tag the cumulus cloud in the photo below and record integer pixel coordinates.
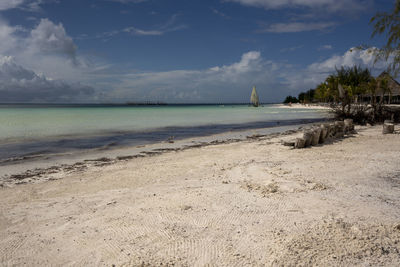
(41, 65)
(18, 84)
(46, 48)
(226, 83)
(353, 56)
(250, 61)
(327, 5)
(297, 27)
(48, 37)
(317, 72)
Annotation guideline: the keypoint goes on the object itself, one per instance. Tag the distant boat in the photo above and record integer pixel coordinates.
(254, 98)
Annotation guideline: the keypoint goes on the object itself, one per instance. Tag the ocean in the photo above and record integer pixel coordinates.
(36, 130)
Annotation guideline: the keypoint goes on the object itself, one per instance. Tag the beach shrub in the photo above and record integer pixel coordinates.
(290, 99)
(366, 113)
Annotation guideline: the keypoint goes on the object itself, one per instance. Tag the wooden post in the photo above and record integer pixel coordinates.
(328, 128)
(388, 128)
(348, 125)
(332, 130)
(307, 136)
(339, 127)
(316, 135)
(300, 143)
(324, 133)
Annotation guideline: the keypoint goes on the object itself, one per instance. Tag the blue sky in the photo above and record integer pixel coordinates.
(178, 51)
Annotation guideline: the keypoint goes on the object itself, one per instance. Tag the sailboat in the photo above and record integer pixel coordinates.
(254, 98)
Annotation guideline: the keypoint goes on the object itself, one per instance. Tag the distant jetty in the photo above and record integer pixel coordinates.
(146, 104)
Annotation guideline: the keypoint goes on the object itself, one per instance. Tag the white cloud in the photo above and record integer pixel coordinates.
(136, 31)
(10, 4)
(233, 82)
(7, 39)
(127, 1)
(46, 48)
(44, 61)
(48, 37)
(169, 26)
(297, 27)
(249, 62)
(326, 5)
(18, 84)
(219, 13)
(325, 47)
(226, 83)
(353, 56)
(317, 72)
(28, 5)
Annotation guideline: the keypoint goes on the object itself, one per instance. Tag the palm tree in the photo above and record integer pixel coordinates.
(389, 24)
(383, 85)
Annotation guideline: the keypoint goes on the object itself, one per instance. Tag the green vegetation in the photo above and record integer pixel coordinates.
(388, 24)
(352, 92)
(307, 97)
(290, 99)
(304, 97)
(346, 86)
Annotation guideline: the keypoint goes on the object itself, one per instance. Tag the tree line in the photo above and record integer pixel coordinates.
(351, 91)
(347, 85)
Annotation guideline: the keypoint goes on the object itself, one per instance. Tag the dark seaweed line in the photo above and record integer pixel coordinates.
(38, 173)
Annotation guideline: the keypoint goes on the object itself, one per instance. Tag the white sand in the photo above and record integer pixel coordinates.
(250, 203)
(302, 106)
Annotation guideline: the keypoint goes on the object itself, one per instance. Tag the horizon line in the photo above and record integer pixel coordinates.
(136, 103)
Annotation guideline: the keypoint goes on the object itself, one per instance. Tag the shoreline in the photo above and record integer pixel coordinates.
(44, 168)
(304, 106)
(12, 151)
(252, 202)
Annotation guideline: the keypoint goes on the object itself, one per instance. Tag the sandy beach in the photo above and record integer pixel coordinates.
(303, 106)
(252, 202)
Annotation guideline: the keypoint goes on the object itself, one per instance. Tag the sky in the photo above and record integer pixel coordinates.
(179, 51)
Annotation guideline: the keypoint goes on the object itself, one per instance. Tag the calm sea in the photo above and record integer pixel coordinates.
(27, 130)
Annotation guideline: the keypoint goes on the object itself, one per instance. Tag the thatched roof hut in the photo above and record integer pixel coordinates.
(388, 89)
(392, 84)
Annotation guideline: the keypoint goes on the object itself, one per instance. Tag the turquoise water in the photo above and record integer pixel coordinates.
(35, 130)
(19, 123)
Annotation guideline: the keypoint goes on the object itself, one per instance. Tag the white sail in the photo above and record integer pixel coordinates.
(254, 97)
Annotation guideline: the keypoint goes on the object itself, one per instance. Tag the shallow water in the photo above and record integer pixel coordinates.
(42, 129)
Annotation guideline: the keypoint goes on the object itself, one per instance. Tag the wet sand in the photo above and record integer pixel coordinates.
(251, 202)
